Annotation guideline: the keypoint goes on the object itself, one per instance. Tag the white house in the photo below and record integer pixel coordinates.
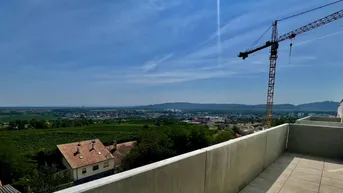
(340, 111)
(87, 160)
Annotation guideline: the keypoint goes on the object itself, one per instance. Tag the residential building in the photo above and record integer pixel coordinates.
(87, 160)
(120, 150)
(302, 157)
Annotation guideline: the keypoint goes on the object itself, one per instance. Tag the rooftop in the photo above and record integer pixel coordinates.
(8, 189)
(305, 157)
(122, 149)
(83, 153)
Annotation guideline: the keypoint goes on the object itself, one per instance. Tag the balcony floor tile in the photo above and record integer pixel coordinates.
(292, 173)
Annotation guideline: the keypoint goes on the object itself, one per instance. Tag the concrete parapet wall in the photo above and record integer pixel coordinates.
(322, 141)
(325, 119)
(225, 167)
(322, 121)
(183, 174)
(232, 165)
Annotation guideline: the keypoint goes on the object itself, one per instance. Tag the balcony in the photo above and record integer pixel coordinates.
(300, 157)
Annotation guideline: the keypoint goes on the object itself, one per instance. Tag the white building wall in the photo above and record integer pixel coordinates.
(76, 174)
(71, 171)
(90, 170)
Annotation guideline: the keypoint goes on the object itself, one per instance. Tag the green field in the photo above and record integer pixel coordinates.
(8, 118)
(34, 140)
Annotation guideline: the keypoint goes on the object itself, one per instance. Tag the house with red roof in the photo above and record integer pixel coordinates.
(120, 150)
(87, 160)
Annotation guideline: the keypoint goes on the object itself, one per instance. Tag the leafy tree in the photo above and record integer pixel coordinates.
(198, 138)
(283, 120)
(236, 129)
(49, 157)
(224, 136)
(57, 123)
(13, 165)
(90, 121)
(152, 146)
(7, 157)
(12, 124)
(179, 138)
(45, 179)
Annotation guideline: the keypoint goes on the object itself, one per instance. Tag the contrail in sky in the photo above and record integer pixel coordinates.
(315, 39)
(319, 38)
(218, 31)
(151, 65)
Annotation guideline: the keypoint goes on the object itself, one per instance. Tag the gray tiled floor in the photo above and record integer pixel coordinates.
(299, 174)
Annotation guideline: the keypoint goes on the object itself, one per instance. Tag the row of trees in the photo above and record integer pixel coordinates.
(45, 124)
(283, 120)
(155, 144)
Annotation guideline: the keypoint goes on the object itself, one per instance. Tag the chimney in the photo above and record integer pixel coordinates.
(114, 146)
(92, 145)
(77, 151)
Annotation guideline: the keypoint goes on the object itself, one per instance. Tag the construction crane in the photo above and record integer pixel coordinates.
(274, 45)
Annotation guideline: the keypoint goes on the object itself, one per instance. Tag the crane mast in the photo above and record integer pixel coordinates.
(272, 71)
(274, 45)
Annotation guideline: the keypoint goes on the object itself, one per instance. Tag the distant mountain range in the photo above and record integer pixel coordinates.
(316, 106)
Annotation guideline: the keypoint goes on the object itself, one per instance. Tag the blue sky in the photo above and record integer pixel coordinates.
(130, 52)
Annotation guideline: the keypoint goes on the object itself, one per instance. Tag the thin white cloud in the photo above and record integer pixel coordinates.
(202, 63)
(161, 5)
(319, 38)
(178, 76)
(153, 64)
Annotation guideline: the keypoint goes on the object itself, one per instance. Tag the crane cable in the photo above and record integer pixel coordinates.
(255, 42)
(290, 52)
(295, 15)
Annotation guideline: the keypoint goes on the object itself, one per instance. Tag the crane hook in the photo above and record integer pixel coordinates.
(290, 51)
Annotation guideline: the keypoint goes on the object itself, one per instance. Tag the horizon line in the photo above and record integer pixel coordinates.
(130, 106)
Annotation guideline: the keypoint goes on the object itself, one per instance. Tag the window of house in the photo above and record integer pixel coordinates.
(106, 164)
(95, 167)
(84, 170)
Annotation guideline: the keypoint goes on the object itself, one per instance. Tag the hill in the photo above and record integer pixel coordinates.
(316, 106)
(319, 106)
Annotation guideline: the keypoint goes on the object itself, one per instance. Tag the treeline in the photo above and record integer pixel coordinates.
(155, 144)
(45, 124)
(283, 120)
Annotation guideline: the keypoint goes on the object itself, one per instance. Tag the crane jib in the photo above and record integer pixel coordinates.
(290, 35)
